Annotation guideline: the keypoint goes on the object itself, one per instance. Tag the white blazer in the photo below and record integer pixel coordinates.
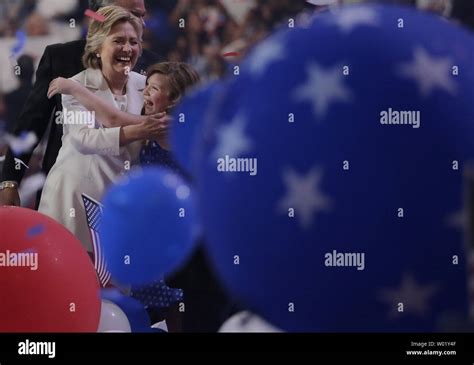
(90, 158)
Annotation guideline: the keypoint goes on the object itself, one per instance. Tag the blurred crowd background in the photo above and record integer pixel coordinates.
(201, 32)
(194, 31)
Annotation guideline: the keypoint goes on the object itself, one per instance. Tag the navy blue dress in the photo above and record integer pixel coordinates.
(158, 296)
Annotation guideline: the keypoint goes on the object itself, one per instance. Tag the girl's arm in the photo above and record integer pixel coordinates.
(108, 115)
(107, 141)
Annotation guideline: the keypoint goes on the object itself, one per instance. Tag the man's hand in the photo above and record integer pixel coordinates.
(10, 196)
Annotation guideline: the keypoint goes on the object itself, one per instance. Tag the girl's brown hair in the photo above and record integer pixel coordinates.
(180, 76)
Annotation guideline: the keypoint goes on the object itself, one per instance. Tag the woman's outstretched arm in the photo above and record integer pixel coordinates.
(109, 116)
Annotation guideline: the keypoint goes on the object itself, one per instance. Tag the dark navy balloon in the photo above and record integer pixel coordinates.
(331, 177)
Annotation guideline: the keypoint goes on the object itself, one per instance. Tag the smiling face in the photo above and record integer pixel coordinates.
(156, 94)
(120, 50)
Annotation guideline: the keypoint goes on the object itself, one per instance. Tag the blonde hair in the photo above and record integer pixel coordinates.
(98, 31)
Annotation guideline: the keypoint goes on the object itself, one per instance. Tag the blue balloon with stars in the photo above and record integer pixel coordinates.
(331, 177)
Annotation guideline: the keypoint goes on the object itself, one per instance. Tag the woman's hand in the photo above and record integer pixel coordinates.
(61, 85)
(156, 126)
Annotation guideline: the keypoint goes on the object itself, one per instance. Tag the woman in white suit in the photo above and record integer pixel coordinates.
(94, 152)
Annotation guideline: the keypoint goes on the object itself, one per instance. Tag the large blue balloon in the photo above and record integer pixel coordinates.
(147, 227)
(190, 115)
(322, 210)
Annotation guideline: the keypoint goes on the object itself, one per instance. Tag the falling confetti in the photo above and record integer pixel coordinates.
(24, 143)
(31, 185)
(231, 54)
(21, 41)
(94, 15)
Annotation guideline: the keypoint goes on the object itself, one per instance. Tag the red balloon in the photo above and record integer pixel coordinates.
(47, 280)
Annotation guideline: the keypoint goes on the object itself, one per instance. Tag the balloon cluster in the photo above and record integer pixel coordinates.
(121, 313)
(330, 173)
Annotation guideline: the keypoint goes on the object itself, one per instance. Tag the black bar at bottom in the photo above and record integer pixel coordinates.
(449, 348)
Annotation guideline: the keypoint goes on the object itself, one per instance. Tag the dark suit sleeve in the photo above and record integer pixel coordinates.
(207, 303)
(35, 116)
(147, 59)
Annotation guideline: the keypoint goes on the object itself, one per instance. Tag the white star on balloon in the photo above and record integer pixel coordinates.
(322, 88)
(429, 72)
(414, 297)
(350, 18)
(231, 139)
(266, 54)
(303, 194)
